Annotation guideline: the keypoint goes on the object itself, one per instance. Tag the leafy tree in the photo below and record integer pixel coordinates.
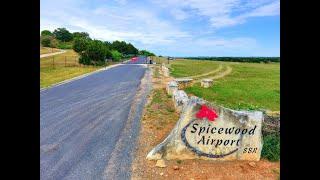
(119, 46)
(116, 55)
(46, 33)
(45, 41)
(108, 44)
(131, 49)
(63, 34)
(80, 44)
(81, 35)
(95, 53)
(146, 53)
(124, 48)
(54, 42)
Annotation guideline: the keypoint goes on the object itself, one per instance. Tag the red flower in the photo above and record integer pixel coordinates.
(204, 111)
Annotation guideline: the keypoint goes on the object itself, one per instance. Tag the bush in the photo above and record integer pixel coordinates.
(63, 34)
(54, 42)
(84, 59)
(95, 53)
(46, 33)
(271, 147)
(116, 55)
(63, 45)
(80, 44)
(46, 41)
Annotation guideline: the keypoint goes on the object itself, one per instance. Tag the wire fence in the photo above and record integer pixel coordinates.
(60, 61)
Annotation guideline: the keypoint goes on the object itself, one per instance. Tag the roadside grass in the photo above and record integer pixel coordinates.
(46, 50)
(184, 68)
(160, 111)
(271, 147)
(50, 75)
(69, 57)
(249, 86)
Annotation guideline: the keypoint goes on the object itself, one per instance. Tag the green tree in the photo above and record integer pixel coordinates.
(120, 46)
(116, 55)
(46, 33)
(80, 44)
(146, 53)
(81, 35)
(131, 49)
(95, 53)
(45, 41)
(63, 34)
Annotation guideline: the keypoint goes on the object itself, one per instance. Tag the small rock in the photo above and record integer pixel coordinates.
(161, 174)
(252, 164)
(161, 163)
(176, 167)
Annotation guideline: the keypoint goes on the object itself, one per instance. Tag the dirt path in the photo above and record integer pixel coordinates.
(206, 74)
(52, 54)
(220, 75)
(158, 120)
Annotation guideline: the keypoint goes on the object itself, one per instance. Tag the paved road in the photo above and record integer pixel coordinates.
(52, 54)
(140, 60)
(88, 127)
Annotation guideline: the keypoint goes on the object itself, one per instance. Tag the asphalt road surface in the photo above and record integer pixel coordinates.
(88, 127)
(139, 60)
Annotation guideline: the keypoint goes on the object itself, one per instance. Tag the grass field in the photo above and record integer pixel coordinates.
(45, 50)
(247, 86)
(50, 75)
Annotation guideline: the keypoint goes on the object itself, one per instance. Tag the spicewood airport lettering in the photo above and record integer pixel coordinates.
(206, 131)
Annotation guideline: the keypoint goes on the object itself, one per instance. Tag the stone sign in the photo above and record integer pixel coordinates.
(207, 131)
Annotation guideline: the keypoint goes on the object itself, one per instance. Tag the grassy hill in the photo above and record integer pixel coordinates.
(236, 85)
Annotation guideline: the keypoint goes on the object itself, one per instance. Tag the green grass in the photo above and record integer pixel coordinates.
(184, 68)
(69, 57)
(250, 86)
(271, 147)
(50, 75)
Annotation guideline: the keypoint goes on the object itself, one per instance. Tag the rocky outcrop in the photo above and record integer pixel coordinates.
(180, 99)
(233, 135)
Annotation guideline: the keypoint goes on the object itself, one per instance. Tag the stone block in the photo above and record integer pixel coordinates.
(211, 132)
(206, 83)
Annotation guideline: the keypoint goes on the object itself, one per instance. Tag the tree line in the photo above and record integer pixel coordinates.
(91, 51)
(239, 59)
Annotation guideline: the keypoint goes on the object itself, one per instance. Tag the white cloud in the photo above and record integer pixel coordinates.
(223, 13)
(116, 23)
(147, 28)
(179, 14)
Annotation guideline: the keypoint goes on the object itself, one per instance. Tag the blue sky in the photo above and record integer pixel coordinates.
(174, 27)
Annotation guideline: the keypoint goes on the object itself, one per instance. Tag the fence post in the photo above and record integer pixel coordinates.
(65, 61)
(53, 61)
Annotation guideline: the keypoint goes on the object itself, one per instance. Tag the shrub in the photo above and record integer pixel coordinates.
(63, 34)
(54, 42)
(84, 59)
(271, 147)
(63, 45)
(95, 53)
(46, 33)
(80, 44)
(46, 41)
(116, 55)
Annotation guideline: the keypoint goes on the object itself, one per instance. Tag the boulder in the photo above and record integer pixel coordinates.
(171, 87)
(206, 83)
(184, 82)
(210, 132)
(180, 98)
